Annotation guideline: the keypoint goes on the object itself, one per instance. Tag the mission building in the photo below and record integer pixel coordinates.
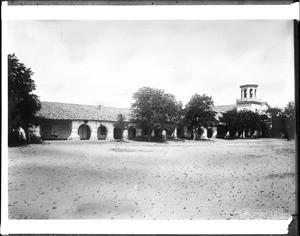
(64, 121)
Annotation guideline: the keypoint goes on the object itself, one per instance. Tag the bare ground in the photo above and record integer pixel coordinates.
(217, 179)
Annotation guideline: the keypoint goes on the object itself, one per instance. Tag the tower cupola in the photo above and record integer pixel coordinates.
(248, 91)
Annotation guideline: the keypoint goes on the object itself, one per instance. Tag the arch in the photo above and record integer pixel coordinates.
(84, 132)
(169, 134)
(210, 132)
(248, 133)
(180, 132)
(157, 133)
(221, 131)
(145, 131)
(117, 133)
(200, 132)
(131, 132)
(102, 132)
(190, 132)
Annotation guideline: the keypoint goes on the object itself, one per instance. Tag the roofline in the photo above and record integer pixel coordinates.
(224, 105)
(249, 85)
(86, 105)
(68, 103)
(42, 118)
(249, 102)
(267, 104)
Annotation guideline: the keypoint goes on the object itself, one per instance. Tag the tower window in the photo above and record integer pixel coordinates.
(245, 93)
(251, 93)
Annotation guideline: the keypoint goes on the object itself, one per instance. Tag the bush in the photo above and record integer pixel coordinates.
(35, 139)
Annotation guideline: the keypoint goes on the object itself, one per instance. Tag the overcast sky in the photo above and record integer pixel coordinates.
(105, 62)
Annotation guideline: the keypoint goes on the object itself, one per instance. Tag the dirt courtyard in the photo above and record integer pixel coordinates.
(216, 179)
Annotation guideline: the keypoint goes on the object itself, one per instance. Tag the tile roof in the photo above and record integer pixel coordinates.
(68, 111)
(223, 108)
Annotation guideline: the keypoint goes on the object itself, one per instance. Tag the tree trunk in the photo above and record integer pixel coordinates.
(27, 135)
(149, 134)
(122, 135)
(194, 133)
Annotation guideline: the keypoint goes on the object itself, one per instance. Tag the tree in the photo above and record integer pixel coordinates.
(289, 120)
(250, 120)
(22, 103)
(277, 121)
(244, 120)
(199, 112)
(120, 125)
(154, 109)
(232, 121)
(283, 121)
(265, 125)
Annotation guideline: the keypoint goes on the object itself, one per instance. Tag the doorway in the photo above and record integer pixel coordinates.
(84, 132)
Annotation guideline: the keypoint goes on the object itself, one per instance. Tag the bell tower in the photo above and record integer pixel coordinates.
(249, 100)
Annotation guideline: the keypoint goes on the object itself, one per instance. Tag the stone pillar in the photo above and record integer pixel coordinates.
(175, 133)
(110, 133)
(185, 131)
(93, 134)
(74, 136)
(204, 135)
(74, 131)
(164, 134)
(138, 132)
(215, 132)
(125, 134)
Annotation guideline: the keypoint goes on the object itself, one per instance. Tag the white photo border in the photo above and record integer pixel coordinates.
(174, 12)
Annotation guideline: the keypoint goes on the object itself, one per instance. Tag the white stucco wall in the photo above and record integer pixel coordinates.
(93, 125)
(252, 107)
